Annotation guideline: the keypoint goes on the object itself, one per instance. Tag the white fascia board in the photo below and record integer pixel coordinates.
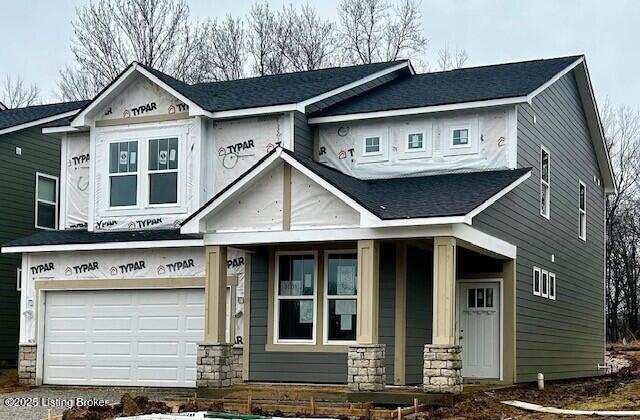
(61, 130)
(248, 112)
(421, 221)
(104, 245)
(196, 225)
(419, 110)
(355, 84)
(496, 197)
(554, 79)
(38, 122)
(484, 240)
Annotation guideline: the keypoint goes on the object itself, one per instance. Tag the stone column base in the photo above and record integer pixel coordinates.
(27, 364)
(366, 367)
(236, 365)
(442, 370)
(215, 365)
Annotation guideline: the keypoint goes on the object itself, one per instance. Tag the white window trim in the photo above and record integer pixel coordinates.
(472, 124)
(56, 204)
(149, 172)
(546, 215)
(407, 149)
(109, 174)
(582, 230)
(19, 279)
(277, 298)
(533, 281)
(544, 282)
(453, 128)
(364, 145)
(552, 296)
(325, 299)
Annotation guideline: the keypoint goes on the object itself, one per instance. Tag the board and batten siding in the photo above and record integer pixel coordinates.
(562, 338)
(40, 153)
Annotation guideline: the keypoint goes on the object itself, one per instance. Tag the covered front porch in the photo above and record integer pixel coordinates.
(372, 314)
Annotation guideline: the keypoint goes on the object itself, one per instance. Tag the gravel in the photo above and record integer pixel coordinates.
(12, 409)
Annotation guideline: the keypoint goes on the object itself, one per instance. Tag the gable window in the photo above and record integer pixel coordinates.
(545, 182)
(415, 142)
(552, 286)
(371, 145)
(46, 201)
(341, 290)
(545, 284)
(460, 137)
(295, 297)
(123, 174)
(163, 171)
(582, 211)
(536, 281)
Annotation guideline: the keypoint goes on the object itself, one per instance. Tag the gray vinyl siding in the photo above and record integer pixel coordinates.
(302, 135)
(283, 366)
(387, 305)
(40, 153)
(419, 311)
(562, 338)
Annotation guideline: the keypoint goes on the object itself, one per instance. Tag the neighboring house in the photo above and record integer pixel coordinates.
(362, 225)
(30, 163)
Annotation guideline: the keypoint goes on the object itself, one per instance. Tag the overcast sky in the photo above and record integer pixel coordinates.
(36, 35)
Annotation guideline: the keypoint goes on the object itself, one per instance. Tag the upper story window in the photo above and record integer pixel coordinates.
(163, 171)
(341, 294)
(295, 297)
(46, 205)
(123, 174)
(536, 281)
(372, 145)
(545, 182)
(582, 211)
(460, 138)
(415, 142)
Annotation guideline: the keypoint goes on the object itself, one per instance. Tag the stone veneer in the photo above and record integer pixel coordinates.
(27, 364)
(366, 367)
(218, 365)
(442, 370)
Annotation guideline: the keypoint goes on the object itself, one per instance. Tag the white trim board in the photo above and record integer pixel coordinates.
(38, 122)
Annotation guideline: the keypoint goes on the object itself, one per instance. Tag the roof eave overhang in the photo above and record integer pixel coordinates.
(38, 122)
(103, 246)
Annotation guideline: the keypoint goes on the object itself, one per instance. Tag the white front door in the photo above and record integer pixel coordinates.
(479, 329)
(123, 337)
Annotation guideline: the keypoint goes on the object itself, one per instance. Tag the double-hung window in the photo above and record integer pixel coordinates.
(123, 174)
(295, 297)
(582, 211)
(46, 201)
(545, 185)
(163, 171)
(341, 290)
(371, 145)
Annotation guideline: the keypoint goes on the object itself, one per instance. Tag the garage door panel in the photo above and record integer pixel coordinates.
(132, 337)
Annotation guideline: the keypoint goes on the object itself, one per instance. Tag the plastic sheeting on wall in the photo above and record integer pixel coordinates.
(236, 263)
(259, 208)
(312, 206)
(341, 145)
(76, 176)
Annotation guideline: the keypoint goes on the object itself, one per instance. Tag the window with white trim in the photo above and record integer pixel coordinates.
(341, 294)
(371, 145)
(582, 211)
(545, 284)
(46, 205)
(545, 182)
(536, 281)
(295, 299)
(123, 174)
(163, 171)
(19, 279)
(415, 142)
(552, 286)
(460, 137)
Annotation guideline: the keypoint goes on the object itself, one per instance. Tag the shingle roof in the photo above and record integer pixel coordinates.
(455, 86)
(17, 116)
(454, 194)
(67, 237)
(269, 90)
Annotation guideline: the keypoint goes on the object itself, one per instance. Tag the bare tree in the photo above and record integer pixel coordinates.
(313, 44)
(15, 93)
(110, 34)
(372, 30)
(450, 60)
(268, 32)
(223, 50)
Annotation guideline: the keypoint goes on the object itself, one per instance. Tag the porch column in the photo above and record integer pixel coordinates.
(366, 370)
(215, 357)
(443, 358)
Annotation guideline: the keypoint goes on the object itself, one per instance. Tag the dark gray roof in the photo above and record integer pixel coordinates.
(270, 90)
(17, 116)
(454, 86)
(67, 237)
(454, 194)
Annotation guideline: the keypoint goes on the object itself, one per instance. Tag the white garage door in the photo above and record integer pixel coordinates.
(125, 337)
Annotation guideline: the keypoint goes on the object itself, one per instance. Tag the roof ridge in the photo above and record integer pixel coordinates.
(508, 63)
